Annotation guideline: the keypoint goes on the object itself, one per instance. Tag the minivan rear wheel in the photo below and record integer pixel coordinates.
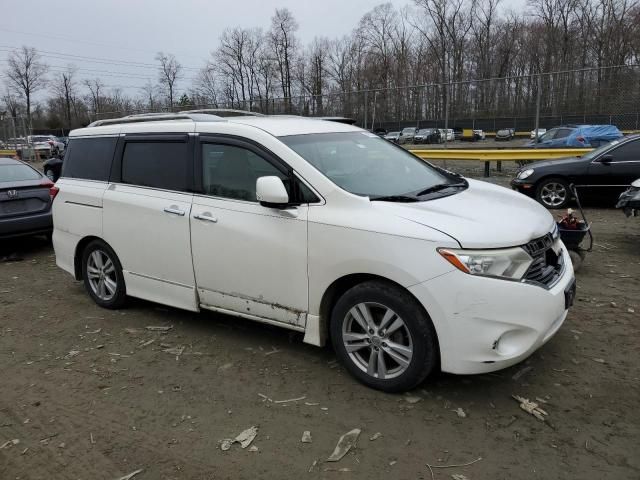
(383, 336)
(102, 275)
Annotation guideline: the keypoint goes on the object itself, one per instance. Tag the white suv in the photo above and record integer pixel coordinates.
(316, 226)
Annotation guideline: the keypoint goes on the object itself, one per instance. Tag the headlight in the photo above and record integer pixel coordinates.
(509, 263)
(525, 173)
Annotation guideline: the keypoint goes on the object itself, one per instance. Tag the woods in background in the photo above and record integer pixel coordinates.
(405, 64)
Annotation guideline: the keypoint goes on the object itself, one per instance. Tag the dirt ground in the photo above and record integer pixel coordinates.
(93, 394)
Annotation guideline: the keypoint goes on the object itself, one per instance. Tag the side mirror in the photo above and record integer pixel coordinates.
(605, 159)
(270, 192)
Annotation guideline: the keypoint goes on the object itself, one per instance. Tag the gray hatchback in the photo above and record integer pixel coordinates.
(25, 200)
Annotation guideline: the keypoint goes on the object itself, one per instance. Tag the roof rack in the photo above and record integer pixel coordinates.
(158, 117)
(222, 112)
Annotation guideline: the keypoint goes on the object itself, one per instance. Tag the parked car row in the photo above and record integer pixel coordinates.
(44, 146)
(413, 135)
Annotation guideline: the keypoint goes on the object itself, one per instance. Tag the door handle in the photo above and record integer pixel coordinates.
(206, 217)
(174, 210)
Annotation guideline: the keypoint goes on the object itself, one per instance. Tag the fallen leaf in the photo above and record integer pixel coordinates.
(345, 443)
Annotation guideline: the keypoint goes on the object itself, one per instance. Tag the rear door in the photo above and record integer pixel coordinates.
(248, 259)
(146, 216)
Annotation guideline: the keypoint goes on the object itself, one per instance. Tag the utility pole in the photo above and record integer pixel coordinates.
(538, 95)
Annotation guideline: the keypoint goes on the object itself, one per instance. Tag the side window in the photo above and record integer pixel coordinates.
(231, 172)
(548, 135)
(562, 133)
(157, 164)
(89, 158)
(629, 152)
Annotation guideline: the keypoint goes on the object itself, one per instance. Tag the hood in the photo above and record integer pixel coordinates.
(482, 216)
(559, 161)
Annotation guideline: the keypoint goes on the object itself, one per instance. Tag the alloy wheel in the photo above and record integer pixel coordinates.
(101, 274)
(553, 194)
(377, 340)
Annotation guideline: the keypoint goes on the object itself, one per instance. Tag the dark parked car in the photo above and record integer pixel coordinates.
(607, 171)
(52, 168)
(427, 135)
(629, 200)
(505, 134)
(381, 132)
(25, 200)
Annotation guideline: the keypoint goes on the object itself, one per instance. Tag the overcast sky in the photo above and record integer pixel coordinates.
(135, 30)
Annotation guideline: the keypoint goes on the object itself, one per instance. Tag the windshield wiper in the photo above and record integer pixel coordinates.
(441, 186)
(394, 198)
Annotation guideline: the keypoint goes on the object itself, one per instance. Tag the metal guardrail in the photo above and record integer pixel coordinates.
(504, 155)
(499, 156)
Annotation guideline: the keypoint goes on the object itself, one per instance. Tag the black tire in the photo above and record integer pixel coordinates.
(417, 330)
(545, 196)
(576, 260)
(119, 296)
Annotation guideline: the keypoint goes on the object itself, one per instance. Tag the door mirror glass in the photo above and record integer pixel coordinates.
(270, 192)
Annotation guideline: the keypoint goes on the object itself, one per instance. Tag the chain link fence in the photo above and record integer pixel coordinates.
(608, 95)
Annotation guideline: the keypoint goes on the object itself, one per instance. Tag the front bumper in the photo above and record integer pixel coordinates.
(28, 225)
(485, 324)
(524, 186)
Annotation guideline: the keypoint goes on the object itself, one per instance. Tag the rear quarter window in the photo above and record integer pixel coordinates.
(89, 158)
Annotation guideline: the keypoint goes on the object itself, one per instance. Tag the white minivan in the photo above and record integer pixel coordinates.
(316, 226)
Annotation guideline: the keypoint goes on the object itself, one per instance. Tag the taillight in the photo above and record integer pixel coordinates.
(53, 191)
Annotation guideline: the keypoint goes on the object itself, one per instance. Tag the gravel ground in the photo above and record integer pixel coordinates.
(93, 394)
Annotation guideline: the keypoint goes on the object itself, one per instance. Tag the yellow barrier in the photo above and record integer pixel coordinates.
(505, 155)
(7, 153)
(499, 156)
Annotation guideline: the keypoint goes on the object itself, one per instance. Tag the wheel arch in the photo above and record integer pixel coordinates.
(77, 256)
(344, 283)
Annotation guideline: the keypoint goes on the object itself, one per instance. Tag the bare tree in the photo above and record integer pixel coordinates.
(149, 91)
(63, 86)
(96, 88)
(26, 74)
(170, 73)
(207, 86)
(284, 45)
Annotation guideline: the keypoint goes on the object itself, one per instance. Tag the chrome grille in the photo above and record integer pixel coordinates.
(547, 266)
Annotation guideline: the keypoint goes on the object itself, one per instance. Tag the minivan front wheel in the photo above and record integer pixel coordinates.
(383, 336)
(102, 275)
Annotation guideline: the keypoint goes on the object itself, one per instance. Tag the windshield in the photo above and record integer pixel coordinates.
(366, 165)
(17, 173)
(594, 153)
(408, 130)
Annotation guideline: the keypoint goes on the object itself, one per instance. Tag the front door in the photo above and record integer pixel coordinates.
(146, 212)
(248, 259)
